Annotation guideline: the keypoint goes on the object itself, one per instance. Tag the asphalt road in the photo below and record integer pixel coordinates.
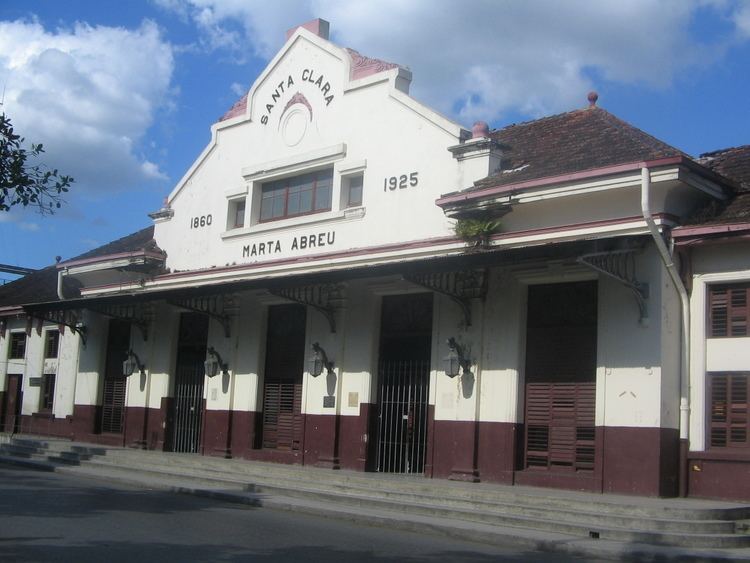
(52, 517)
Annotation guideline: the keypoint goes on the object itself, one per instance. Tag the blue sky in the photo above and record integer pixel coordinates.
(122, 94)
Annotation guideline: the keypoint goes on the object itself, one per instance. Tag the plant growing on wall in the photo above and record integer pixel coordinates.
(476, 232)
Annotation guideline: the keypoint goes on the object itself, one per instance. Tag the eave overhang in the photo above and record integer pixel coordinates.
(137, 259)
(502, 197)
(711, 234)
(388, 256)
(496, 257)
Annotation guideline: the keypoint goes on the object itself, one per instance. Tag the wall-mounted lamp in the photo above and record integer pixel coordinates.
(214, 364)
(132, 363)
(455, 359)
(319, 360)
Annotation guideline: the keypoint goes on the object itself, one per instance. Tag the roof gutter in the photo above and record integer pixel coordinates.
(671, 268)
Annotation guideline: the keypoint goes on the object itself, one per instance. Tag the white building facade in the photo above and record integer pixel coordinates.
(303, 297)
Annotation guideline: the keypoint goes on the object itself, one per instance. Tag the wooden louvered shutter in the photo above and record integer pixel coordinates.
(730, 415)
(728, 310)
(283, 423)
(560, 425)
(113, 404)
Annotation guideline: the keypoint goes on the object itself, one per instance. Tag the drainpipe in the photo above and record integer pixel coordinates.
(60, 274)
(666, 258)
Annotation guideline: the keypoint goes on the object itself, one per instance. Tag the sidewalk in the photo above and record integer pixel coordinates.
(566, 522)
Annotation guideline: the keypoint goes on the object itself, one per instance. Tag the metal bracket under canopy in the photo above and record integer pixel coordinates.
(220, 307)
(139, 314)
(461, 286)
(324, 298)
(620, 265)
(63, 317)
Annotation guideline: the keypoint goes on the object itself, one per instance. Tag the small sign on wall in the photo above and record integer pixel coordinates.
(35, 381)
(329, 402)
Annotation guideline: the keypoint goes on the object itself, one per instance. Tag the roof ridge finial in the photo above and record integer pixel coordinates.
(592, 98)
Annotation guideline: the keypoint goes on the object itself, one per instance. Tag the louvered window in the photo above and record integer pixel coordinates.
(728, 310)
(560, 425)
(730, 415)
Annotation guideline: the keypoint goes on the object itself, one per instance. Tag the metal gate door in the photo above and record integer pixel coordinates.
(12, 403)
(402, 415)
(114, 385)
(188, 408)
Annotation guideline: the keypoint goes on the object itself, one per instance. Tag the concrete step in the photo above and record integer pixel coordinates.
(688, 524)
(689, 533)
(273, 473)
(237, 491)
(435, 497)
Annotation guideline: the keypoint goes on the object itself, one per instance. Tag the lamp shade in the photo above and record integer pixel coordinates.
(129, 366)
(316, 364)
(211, 366)
(451, 364)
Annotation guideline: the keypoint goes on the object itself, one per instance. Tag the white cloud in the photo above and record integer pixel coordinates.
(31, 227)
(89, 94)
(484, 58)
(238, 89)
(742, 20)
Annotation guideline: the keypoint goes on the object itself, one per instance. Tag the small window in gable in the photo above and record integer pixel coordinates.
(236, 214)
(352, 188)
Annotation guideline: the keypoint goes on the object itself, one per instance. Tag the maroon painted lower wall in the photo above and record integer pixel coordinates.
(640, 461)
(46, 425)
(147, 427)
(320, 441)
(355, 436)
(717, 474)
(453, 444)
(496, 458)
(217, 431)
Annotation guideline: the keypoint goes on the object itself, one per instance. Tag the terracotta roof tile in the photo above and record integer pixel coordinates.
(238, 108)
(570, 142)
(140, 240)
(733, 163)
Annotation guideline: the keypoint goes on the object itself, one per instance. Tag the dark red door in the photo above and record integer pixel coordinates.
(283, 423)
(561, 376)
(12, 403)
